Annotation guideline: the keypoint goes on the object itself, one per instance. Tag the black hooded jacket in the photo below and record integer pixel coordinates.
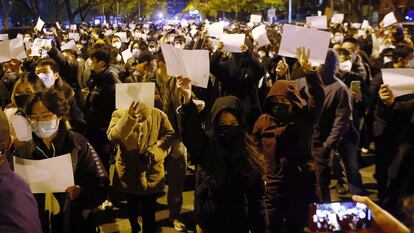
(228, 195)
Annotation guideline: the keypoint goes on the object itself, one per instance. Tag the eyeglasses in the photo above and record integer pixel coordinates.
(43, 117)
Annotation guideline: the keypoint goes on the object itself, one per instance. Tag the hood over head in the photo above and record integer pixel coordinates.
(228, 103)
(330, 68)
(287, 89)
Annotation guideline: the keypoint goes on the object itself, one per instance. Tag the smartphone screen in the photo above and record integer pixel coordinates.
(338, 216)
(355, 86)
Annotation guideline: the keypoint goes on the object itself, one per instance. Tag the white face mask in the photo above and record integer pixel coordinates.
(136, 52)
(45, 129)
(180, 46)
(11, 75)
(345, 66)
(271, 54)
(153, 49)
(117, 45)
(338, 39)
(47, 79)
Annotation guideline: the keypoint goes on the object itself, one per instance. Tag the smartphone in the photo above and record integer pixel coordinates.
(355, 86)
(338, 217)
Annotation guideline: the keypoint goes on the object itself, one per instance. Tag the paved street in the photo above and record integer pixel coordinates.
(117, 220)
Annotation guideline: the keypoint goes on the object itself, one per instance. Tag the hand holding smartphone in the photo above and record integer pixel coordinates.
(339, 217)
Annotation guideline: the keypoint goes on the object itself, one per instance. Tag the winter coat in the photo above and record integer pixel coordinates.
(150, 133)
(233, 204)
(89, 174)
(287, 146)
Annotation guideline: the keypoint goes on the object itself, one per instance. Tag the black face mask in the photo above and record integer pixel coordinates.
(227, 134)
(280, 112)
(21, 100)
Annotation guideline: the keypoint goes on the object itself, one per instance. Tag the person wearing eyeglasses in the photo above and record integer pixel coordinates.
(18, 212)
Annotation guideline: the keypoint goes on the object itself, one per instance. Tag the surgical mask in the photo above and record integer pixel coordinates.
(117, 45)
(345, 66)
(227, 134)
(180, 46)
(136, 52)
(280, 112)
(45, 129)
(271, 54)
(84, 41)
(153, 49)
(338, 39)
(11, 75)
(21, 100)
(47, 79)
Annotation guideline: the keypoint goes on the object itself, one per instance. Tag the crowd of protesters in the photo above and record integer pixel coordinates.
(266, 136)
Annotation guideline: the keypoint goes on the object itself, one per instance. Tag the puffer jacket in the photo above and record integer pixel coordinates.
(151, 133)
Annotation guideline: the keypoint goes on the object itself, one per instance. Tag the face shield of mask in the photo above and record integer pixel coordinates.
(47, 79)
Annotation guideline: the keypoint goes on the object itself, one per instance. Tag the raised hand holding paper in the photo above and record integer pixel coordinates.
(295, 37)
(260, 36)
(232, 42)
(319, 22)
(126, 93)
(337, 18)
(127, 54)
(52, 175)
(71, 45)
(401, 81)
(255, 18)
(193, 64)
(39, 25)
(74, 36)
(216, 29)
(389, 20)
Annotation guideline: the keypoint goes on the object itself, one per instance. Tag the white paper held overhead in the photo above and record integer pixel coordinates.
(126, 93)
(389, 20)
(260, 36)
(319, 22)
(39, 25)
(294, 37)
(193, 64)
(255, 18)
(233, 42)
(401, 81)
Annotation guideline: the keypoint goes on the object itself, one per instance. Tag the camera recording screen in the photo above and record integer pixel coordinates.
(338, 216)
